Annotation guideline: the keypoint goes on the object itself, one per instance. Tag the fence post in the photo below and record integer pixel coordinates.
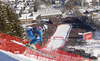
(89, 59)
(37, 56)
(64, 58)
(60, 55)
(71, 57)
(50, 51)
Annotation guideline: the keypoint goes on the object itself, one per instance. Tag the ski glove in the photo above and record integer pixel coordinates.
(42, 45)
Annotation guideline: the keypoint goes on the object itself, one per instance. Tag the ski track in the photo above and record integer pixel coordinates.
(62, 32)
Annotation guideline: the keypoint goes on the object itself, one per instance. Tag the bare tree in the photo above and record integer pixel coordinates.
(70, 4)
(48, 2)
(36, 5)
(93, 2)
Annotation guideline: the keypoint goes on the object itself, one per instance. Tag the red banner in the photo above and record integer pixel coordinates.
(88, 36)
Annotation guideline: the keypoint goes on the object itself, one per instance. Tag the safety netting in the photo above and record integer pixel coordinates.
(7, 44)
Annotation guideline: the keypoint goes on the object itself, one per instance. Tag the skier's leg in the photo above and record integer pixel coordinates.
(36, 41)
(33, 46)
(41, 32)
(32, 41)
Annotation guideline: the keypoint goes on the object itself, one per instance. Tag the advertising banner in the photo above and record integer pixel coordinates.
(87, 36)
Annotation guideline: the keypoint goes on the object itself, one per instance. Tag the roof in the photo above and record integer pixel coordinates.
(42, 13)
(48, 12)
(97, 17)
(24, 16)
(27, 8)
(82, 10)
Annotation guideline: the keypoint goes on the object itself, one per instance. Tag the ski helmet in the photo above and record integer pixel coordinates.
(28, 28)
(45, 27)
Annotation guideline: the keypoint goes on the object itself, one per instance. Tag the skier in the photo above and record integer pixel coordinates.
(36, 35)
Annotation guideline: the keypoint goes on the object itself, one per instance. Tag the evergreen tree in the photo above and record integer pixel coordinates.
(9, 22)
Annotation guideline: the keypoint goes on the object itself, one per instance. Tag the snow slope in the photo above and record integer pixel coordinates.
(5, 57)
(8, 56)
(58, 39)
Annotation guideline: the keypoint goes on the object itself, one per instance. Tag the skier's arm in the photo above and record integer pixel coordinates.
(41, 37)
(41, 32)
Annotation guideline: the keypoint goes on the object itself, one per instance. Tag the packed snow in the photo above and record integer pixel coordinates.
(8, 56)
(58, 39)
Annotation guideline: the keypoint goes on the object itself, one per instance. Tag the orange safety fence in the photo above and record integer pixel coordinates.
(7, 45)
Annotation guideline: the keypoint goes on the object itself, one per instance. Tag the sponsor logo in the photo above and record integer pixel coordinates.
(88, 36)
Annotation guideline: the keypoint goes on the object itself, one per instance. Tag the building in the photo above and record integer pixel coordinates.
(93, 2)
(33, 16)
(49, 13)
(25, 18)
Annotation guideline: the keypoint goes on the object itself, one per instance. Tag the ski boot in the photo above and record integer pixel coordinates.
(28, 45)
(33, 46)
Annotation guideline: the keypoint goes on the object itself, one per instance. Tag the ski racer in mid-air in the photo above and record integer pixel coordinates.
(36, 35)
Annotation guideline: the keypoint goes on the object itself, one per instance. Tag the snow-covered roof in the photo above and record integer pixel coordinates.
(27, 8)
(24, 16)
(11, 0)
(19, 0)
(48, 12)
(17, 11)
(90, 9)
(20, 5)
(82, 10)
(95, 9)
(95, 13)
(34, 17)
(87, 1)
(42, 6)
(4, 0)
(28, 16)
(25, 11)
(97, 17)
(41, 13)
(66, 1)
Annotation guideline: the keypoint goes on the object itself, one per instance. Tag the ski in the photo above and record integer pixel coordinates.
(34, 49)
